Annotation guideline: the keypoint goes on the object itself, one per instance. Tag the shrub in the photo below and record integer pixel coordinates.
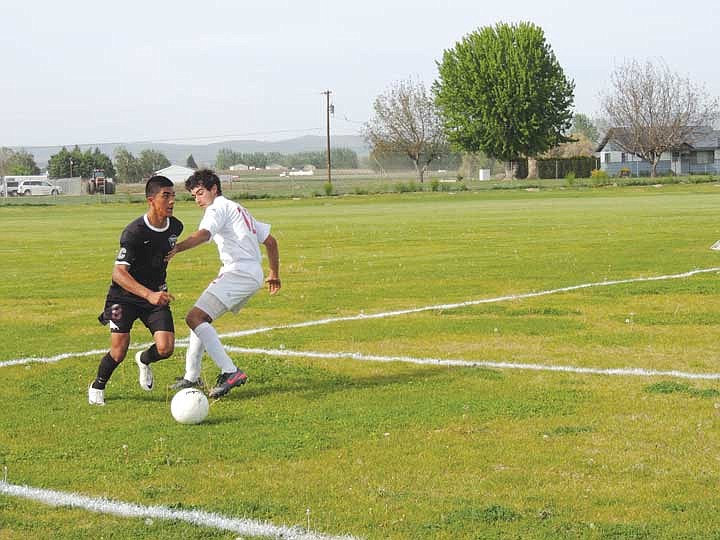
(434, 185)
(328, 187)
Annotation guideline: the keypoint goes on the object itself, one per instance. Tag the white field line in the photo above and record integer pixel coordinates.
(386, 314)
(242, 526)
(636, 372)
(364, 316)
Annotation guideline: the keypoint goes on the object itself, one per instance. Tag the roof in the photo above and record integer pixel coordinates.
(177, 173)
(704, 138)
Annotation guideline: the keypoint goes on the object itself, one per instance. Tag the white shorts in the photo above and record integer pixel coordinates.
(229, 291)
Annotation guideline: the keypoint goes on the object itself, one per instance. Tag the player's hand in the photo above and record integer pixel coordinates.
(160, 298)
(171, 254)
(273, 284)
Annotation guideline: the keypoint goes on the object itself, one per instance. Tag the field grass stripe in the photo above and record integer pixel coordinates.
(246, 527)
(635, 372)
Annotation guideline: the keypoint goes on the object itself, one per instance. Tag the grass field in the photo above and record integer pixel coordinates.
(391, 449)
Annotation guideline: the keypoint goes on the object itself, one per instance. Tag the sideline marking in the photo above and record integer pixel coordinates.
(101, 505)
(363, 316)
(637, 372)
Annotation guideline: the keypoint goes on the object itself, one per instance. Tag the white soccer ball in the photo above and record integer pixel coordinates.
(189, 406)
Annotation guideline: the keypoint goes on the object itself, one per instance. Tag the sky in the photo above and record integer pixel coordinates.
(89, 72)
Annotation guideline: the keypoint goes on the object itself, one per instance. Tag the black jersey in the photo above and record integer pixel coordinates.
(143, 249)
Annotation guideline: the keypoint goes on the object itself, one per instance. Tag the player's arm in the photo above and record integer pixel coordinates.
(201, 236)
(122, 277)
(273, 253)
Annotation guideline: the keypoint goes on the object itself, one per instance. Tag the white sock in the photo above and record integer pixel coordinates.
(193, 358)
(209, 337)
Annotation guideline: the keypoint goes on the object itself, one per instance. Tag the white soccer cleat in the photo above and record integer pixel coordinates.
(146, 374)
(96, 396)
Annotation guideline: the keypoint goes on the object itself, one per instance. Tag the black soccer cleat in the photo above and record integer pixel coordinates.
(182, 382)
(227, 381)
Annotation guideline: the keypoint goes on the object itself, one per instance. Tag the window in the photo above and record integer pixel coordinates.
(623, 157)
(607, 157)
(702, 158)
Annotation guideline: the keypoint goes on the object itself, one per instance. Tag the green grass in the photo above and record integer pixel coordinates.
(386, 450)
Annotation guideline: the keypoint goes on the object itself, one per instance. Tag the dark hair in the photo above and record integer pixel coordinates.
(155, 184)
(205, 178)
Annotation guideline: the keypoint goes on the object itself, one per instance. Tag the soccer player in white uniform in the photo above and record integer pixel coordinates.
(238, 237)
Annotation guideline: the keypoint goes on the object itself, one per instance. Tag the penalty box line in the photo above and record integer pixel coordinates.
(635, 372)
(382, 315)
(248, 527)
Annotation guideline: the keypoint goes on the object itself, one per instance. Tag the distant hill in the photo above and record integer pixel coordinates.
(205, 154)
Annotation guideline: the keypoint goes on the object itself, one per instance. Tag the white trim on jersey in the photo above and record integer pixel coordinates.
(157, 229)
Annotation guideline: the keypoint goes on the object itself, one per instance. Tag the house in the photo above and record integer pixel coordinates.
(177, 173)
(239, 167)
(699, 154)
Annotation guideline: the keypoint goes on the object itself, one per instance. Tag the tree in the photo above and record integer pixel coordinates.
(151, 161)
(18, 162)
(65, 164)
(191, 162)
(653, 110)
(502, 91)
(406, 120)
(127, 166)
(582, 124)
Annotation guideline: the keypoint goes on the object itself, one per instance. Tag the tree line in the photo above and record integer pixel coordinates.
(341, 158)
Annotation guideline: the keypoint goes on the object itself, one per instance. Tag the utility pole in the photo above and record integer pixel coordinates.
(328, 108)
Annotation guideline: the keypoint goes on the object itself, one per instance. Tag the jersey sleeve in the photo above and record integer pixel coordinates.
(211, 220)
(127, 253)
(263, 231)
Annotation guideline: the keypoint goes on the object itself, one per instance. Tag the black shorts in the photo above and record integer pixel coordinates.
(121, 314)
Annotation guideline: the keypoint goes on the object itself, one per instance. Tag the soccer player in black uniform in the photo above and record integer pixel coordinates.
(138, 289)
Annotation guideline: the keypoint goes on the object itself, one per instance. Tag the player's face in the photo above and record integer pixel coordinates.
(163, 201)
(204, 196)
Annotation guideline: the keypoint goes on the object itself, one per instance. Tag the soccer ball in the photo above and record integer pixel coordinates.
(189, 406)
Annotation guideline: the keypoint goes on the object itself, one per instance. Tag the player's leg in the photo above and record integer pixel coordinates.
(193, 364)
(119, 318)
(119, 343)
(160, 322)
(229, 292)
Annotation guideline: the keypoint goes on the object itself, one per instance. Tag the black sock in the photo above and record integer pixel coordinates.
(150, 355)
(105, 371)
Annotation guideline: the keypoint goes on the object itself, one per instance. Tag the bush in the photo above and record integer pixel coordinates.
(328, 187)
(434, 185)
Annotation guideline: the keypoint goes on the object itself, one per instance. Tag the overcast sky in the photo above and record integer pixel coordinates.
(81, 71)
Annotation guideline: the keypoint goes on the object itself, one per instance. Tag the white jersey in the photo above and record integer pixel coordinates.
(238, 236)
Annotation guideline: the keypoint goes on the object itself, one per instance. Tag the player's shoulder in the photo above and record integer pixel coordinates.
(175, 224)
(135, 227)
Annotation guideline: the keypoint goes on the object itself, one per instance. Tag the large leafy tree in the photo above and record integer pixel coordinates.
(406, 121)
(127, 166)
(652, 110)
(151, 161)
(18, 162)
(502, 91)
(78, 163)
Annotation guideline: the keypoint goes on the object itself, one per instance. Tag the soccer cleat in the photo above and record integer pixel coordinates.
(146, 374)
(182, 382)
(96, 396)
(226, 381)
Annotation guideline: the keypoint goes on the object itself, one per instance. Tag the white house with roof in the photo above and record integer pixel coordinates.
(698, 154)
(177, 173)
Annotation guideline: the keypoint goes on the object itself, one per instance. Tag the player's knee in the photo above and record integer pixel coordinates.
(165, 350)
